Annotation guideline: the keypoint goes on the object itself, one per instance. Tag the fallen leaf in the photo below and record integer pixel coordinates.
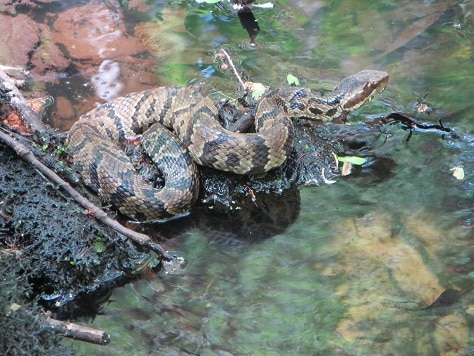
(346, 168)
(267, 5)
(257, 89)
(352, 159)
(292, 80)
(208, 1)
(458, 172)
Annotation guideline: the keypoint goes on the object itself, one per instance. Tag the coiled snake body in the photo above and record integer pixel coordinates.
(106, 169)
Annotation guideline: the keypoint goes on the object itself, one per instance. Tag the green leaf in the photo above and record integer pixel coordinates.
(258, 89)
(208, 1)
(358, 161)
(99, 247)
(292, 80)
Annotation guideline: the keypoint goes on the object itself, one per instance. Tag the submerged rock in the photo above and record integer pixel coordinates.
(22, 34)
(28, 43)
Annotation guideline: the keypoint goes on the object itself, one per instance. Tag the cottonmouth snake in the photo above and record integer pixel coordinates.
(94, 140)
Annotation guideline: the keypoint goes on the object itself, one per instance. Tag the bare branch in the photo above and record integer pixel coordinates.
(78, 332)
(231, 63)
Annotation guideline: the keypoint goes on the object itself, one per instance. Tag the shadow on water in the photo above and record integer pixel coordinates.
(243, 226)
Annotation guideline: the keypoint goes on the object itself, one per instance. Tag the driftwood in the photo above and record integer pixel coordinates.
(18, 102)
(78, 332)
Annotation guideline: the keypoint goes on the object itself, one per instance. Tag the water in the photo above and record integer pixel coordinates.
(362, 267)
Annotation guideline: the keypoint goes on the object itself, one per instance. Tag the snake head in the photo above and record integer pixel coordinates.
(358, 89)
(353, 92)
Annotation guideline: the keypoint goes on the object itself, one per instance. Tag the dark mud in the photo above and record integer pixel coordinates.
(70, 255)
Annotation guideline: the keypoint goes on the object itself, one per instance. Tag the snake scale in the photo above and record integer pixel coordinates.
(178, 128)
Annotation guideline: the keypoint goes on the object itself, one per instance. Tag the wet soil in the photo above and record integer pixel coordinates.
(71, 254)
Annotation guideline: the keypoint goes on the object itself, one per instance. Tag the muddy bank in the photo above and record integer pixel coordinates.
(71, 254)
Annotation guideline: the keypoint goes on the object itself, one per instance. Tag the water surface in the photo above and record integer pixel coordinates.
(362, 268)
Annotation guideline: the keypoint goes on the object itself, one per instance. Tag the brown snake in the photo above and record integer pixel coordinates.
(94, 140)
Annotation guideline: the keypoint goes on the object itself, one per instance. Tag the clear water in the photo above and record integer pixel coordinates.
(359, 269)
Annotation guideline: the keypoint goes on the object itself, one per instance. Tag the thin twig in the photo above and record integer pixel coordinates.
(224, 52)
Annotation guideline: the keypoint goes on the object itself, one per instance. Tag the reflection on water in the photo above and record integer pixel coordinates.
(106, 84)
(363, 266)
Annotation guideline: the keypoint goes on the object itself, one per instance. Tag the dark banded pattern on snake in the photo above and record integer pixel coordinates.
(196, 136)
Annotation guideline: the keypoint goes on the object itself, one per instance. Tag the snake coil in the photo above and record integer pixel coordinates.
(179, 128)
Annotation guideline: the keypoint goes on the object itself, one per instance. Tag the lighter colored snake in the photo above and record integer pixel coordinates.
(193, 134)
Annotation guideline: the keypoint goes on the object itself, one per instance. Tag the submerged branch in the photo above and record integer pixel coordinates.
(412, 124)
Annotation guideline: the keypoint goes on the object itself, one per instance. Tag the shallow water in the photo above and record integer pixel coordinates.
(362, 267)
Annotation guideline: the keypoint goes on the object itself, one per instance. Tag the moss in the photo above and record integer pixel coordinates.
(59, 240)
(23, 332)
